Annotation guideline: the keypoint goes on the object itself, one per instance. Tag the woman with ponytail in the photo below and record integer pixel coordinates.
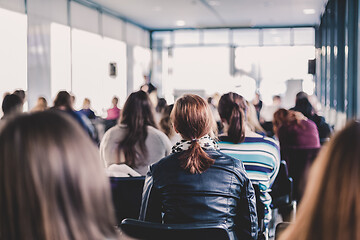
(260, 155)
(197, 183)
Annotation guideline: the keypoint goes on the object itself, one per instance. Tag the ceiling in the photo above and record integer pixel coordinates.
(166, 14)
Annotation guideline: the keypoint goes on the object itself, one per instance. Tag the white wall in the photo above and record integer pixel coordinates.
(13, 51)
(67, 51)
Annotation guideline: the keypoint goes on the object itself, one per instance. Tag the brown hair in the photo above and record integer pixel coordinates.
(137, 115)
(330, 207)
(286, 117)
(63, 99)
(192, 118)
(165, 121)
(52, 184)
(231, 108)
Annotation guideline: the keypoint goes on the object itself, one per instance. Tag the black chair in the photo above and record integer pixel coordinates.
(282, 189)
(260, 210)
(280, 228)
(194, 231)
(126, 194)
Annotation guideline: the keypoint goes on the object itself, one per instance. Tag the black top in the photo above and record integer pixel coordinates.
(223, 193)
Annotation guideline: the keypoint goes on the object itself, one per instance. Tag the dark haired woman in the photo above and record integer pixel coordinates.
(260, 155)
(52, 184)
(135, 142)
(197, 183)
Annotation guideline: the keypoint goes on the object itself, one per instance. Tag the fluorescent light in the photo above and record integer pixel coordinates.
(180, 23)
(309, 11)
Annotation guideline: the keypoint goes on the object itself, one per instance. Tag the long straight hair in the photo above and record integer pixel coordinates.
(330, 208)
(52, 184)
(137, 115)
(231, 108)
(193, 119)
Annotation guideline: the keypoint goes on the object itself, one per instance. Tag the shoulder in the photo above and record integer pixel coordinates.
(165, 163)
(153, 132)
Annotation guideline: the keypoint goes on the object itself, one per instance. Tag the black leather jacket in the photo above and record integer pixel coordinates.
(221, 194)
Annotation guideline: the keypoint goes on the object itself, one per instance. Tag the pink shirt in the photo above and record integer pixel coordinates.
(113, 113)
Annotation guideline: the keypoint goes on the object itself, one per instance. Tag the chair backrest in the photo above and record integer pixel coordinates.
(260, 210)
(281, 190)
(126, 194)
(299, 162)
(148, 230)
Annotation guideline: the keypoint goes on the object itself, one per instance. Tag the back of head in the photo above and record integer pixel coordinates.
(86, 103)
(63, 99)
(330, 207)
(165, 121)
(286, 117)
(42, 102)
(137, 115)
(21, 94)
(232, 109)
(304, 106)
(161, 105)
(12, 104)
(193, 119)
(52, 184)
(301, 95)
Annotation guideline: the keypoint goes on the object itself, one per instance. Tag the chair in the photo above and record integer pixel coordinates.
(127, 194)
(299, 162)
(260, 210)
(281, 190)
(148, 230)
(280, 228)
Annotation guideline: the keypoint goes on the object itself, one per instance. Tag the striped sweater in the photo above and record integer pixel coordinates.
(261, 158)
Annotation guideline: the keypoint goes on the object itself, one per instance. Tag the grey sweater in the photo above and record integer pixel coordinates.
(157, 144)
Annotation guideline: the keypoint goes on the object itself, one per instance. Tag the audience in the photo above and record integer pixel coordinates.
(299, 145)
(166, 125)
(114, 112)
(198, 183)
(267, 115)
(40, 106)
(21, 94)
(86, 109)
(260, 155)
(135, 141)
(330, 206)
(304, 106)
(252, 120)
(160, 108)
(51, 182)
(63, 102)
(11, 105)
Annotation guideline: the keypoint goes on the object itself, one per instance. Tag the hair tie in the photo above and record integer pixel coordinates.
(194, 140)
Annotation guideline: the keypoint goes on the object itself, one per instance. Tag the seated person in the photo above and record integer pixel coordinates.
(304, 106)
(299, 145)
(260, 155)
(51, 181)
(41, 105)
(114, 112)
(197, 183)
(330, 206)
(86, 110)
(135, 141)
